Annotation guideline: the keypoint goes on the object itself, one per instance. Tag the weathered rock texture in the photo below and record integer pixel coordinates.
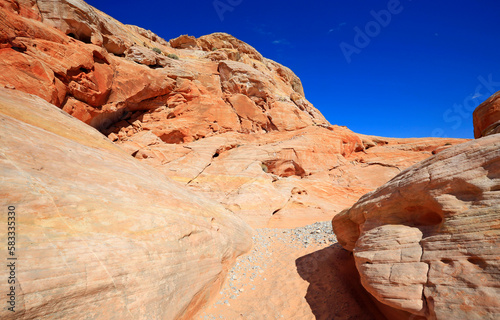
(221, 119)
(283, 179)
(427, 242)
(97, 80)
(487, 117)
(100, 235)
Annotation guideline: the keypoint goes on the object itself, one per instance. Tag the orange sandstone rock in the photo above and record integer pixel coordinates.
(216, 117)
(220, 97)
(487, 117)
(426, 242)
(101, 235)
(283, 179)
(205, 92)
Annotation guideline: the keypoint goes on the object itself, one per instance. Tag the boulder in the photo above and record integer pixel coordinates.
(221, 40)
(426, 242)
(143, 55)
(184, 42)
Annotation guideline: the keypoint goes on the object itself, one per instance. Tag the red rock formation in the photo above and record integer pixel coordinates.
(427, 241)
(99, 234)
(95, 79)
(487, 117)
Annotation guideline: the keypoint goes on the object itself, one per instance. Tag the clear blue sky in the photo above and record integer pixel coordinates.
(419, 72)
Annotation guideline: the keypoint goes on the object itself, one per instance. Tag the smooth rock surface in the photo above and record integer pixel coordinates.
(100, 235)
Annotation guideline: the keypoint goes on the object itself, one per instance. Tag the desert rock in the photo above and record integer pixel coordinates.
(487, 117)
(228, 123)
(192, 80)
(427, 241)
(99, 234)
(110, 236)
(280, 179)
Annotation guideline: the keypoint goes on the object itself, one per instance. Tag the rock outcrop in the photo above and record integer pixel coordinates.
(209, 112)
(283, 179)
(99, 234)
(87, 63)
(487, 117)
(89, 25)
(427, 241)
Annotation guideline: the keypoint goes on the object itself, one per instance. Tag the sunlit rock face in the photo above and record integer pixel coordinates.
(487, 117)
(100, 235)
(427, 241)
(103, 72)
(109, 236)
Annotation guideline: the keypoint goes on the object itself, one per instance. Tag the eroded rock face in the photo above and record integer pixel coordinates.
(487, 117)
(101, 235)
(427, 241)
(215, 116)
(190, 84)
(89, 25)
(209, 112)
(281, 179)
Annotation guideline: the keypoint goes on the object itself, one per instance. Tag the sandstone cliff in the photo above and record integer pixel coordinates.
(427, 241)
(219, 83)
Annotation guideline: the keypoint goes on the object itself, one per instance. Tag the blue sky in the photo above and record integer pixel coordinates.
(408, 68)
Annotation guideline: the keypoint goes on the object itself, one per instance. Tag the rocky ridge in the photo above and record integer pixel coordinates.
(87, 63)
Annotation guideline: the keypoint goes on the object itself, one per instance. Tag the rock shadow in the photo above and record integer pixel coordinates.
(335, 290)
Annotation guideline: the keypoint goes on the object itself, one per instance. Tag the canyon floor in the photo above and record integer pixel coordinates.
(300, 273)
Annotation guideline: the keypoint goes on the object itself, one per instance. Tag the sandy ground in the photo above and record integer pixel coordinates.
(300, 273)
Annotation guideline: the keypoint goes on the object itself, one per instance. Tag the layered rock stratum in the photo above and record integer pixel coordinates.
(487, 117)
(427, 241)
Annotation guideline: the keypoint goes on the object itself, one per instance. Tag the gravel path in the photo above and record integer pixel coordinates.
(264, 284)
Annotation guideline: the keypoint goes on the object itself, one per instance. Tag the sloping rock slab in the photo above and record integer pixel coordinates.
(98, 234)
